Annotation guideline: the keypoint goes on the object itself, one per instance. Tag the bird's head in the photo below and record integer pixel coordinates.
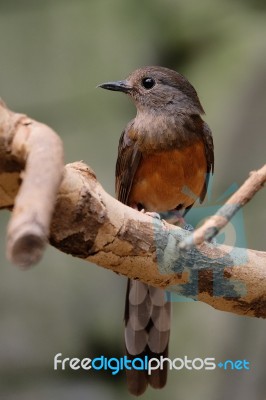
(158, 89)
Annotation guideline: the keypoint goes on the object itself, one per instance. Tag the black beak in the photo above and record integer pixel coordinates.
(120, 86)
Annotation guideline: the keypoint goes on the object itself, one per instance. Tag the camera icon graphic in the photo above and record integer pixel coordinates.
(234, 253)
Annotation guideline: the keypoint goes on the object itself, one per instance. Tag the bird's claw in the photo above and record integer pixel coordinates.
(151, 214)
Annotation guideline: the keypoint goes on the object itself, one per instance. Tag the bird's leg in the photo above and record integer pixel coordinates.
(139, 207)
(173, 217)
(151, 214)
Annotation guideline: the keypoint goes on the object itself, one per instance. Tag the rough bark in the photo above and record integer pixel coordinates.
(31, 154)
(90, 224)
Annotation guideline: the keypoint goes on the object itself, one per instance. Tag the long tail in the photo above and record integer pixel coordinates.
(147, 331)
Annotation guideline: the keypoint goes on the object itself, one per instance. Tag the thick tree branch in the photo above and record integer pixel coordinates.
(90, 224)
(215, 223)
(38, 150)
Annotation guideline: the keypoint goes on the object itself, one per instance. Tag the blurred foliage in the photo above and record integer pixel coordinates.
(53, 55)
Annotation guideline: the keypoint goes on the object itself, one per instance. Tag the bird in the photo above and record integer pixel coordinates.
(165, 150)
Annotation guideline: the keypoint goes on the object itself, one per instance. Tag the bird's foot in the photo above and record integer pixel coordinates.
(173, 217)
(151, 214)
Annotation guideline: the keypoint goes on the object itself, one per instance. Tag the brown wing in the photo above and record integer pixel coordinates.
(208, 143)
(196, 125)
(126, 165)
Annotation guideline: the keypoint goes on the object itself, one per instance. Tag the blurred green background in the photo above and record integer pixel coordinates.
(53, 54)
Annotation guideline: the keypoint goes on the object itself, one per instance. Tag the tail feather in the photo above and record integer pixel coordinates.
(158, 340)
(140, 314)
(136, 341)
(161, 317)
(137, 381)
(147, 330)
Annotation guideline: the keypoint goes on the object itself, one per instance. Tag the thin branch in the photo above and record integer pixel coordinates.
(215, 223)
(90, 224)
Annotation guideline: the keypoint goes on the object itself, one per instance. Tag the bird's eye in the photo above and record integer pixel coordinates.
(148, 83)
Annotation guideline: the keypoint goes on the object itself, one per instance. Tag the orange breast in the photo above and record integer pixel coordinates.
(166, 179)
